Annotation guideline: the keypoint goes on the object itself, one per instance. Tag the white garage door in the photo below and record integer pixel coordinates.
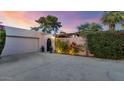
(19, 44)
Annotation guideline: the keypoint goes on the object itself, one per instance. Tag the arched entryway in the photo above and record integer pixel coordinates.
(49, 44)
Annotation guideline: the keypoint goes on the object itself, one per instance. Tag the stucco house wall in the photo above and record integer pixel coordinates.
(77, 40)
(46, 37)
(24, 41)
(43, 40)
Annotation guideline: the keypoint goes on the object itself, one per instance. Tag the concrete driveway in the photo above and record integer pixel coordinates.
(44, 67)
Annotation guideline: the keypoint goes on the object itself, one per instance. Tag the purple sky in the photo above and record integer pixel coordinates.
(70, 20)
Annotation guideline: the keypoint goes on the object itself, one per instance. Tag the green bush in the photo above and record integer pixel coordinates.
(2, 38)
(62, 46)
(106, 44)
(65, 48)
(73, 50)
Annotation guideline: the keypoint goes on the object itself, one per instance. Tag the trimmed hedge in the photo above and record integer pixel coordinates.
(106, 44)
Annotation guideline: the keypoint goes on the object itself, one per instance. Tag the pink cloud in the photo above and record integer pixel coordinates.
(26, 19)
(17, 19)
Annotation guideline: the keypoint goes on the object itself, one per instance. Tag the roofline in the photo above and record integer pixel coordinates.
(16, 27)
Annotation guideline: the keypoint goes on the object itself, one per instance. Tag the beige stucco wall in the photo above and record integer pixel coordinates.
(43, 40)
(46, 36)
(77, 40)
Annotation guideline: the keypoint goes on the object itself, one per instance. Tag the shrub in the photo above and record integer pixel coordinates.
(65, 48)
(62, 46)
(73, 49)
(106, 44)
(2, 38)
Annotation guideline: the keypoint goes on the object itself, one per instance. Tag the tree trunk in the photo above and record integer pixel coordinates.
(112, 27)
(87, 51)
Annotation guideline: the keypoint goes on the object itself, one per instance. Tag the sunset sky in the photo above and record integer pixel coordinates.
(70, 20)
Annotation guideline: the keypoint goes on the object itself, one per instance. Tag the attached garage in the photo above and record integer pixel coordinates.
(20, 41)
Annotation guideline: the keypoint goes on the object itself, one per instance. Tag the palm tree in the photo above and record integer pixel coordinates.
(48, 24)
(112, 18)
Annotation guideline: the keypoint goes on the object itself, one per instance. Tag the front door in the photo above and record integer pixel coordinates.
(49, 44)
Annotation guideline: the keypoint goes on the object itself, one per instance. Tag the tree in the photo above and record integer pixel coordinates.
(48, 24)
(90, 27)
(112, 18)
(84, 29)
(96, 27)
(87, 28)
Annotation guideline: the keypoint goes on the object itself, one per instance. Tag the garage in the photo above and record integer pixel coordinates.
(20, 41)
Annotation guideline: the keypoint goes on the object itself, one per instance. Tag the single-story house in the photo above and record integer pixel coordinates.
(22, 41)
